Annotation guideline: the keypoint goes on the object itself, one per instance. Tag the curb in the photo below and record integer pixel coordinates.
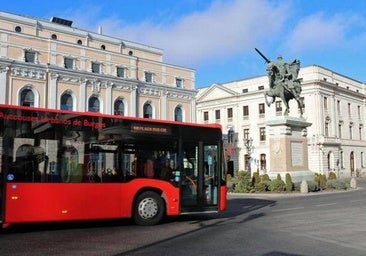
(232, 195)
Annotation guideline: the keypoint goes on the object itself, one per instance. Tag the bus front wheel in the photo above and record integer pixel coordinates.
(149, 209)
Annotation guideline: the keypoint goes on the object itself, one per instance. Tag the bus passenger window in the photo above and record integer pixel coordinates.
(166, 173)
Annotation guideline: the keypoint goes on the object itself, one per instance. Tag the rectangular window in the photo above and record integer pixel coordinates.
(245, 111)
(339, 107)
(246, 162)
(360, 131)
(262, 109)
(179, 82)
(246, 134)
(325, 103)
(349, 110)
(121, 72)
(359, 112)
(148, 77)
(362, 160)
(205, 116)
(96, 67)
(69, 63)
(326, 129)
(261, 87)
(230, 114)
(340, 130)
(30, 56)
(263, 162)
(245, 90)
(350, 132)
(342, 159)
(262, 133)
(217, 114)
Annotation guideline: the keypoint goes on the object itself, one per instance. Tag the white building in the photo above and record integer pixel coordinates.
(333, 103)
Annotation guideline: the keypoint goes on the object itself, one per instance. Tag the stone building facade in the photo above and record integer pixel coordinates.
(51, 64)
(333, 103)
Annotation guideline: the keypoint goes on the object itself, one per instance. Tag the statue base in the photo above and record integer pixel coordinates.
(288, 149)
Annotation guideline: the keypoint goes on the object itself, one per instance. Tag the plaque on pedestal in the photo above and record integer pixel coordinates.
(288, 151)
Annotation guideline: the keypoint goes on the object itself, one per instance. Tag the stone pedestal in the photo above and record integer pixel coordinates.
(288, 150)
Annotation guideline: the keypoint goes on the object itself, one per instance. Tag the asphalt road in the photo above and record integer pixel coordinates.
(282, 225)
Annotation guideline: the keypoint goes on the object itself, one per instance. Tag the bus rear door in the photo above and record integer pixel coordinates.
(200, 178)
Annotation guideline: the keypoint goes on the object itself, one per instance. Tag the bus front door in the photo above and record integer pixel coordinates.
(200, 178)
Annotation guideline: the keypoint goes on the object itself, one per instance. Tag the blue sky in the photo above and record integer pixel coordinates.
(217, 38)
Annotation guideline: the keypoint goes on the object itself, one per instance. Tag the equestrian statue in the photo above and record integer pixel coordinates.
(283, 82)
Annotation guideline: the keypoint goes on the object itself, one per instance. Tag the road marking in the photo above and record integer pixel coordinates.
(321, 205)
(288, 209)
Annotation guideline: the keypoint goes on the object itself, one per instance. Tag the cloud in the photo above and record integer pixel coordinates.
(319, 32)
(222, 30)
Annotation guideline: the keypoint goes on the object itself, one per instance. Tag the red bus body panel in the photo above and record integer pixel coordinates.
(223, 200)
(39, 202)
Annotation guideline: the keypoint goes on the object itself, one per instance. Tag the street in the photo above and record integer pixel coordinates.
(314, 224)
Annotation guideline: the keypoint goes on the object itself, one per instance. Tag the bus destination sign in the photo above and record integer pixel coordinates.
(150, 128)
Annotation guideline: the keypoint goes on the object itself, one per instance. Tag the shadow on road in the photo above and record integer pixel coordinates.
(236, 207)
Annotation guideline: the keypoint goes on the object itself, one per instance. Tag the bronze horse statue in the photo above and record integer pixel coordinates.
(284, 84)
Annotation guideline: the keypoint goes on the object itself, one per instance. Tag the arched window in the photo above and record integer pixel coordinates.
(119, 107)
(66, 101)
(94, 105)
(148, 110)
(178, 114)
(27, 98)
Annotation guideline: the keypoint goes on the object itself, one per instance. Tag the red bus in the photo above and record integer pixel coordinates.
(64, 166)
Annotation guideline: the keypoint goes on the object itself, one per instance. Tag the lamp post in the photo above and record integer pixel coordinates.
(248, 144)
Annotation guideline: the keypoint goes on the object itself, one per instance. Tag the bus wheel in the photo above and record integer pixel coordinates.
(149, 209)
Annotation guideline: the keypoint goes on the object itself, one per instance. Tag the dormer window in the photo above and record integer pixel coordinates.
(96, 68)
(121, 72)
(30, 56)
(148, 77)
(69, 63)
(179, 82)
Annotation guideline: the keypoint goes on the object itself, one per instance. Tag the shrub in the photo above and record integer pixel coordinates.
(261, 186)
(313, 186)
(279, 176)
(256, 178)
(289, 184)
(276, 185)
(242, 182)
(332, 176)
(297, 186)
(321, 179)
(336, 184)
(265, 178)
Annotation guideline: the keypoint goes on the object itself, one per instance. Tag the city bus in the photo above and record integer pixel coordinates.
(59, 165)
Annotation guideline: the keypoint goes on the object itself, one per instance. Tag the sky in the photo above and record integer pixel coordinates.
(217, 38)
